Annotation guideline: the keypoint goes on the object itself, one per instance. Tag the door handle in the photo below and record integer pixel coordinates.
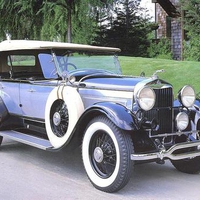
(32, 90)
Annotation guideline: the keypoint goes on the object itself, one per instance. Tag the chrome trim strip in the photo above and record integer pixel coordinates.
(179, 133)
(169, 153)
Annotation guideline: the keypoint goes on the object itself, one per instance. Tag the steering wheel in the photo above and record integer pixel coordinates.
(70, 64)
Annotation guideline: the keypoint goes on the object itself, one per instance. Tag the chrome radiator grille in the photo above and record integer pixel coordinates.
(162, 111)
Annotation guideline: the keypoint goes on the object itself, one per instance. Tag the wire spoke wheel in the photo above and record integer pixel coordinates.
(103, 154)
(106, 151)
(59, 118)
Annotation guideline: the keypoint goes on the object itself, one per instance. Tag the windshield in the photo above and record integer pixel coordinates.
(54, 65)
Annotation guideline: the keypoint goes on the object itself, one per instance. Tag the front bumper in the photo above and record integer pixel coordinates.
(170, 153)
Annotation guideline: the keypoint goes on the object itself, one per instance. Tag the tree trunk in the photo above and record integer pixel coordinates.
(69, 26)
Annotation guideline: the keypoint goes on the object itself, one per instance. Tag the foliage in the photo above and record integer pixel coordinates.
(24, 23)
(107, 22)
(85, 22)
(191, 49)
(51, 20)
(160, 49)
(126, 29)
(117, 23)
(192, 26)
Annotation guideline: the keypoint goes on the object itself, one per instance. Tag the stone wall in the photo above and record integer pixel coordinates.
(161, 20)
(176, 39)
(171, 29)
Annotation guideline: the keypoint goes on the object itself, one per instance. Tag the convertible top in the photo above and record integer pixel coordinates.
(10, 45)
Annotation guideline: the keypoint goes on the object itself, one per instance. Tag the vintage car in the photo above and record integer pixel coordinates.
(55, 94)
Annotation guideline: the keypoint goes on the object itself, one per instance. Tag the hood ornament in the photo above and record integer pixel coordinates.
(155, 76)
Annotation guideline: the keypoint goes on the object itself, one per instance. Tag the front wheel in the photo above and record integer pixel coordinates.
(106, 152)
(190, 166)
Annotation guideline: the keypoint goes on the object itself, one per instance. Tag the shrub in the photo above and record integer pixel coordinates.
(191, 49)
(192, 28)
(160, 49)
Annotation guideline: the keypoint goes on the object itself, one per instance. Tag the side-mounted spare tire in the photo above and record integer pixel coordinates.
(106, 154)
(63, 108)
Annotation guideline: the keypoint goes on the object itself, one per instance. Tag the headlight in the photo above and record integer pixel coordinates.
(187, 96)
(146, 98)
(182, 121)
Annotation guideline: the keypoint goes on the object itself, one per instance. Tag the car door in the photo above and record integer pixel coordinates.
(34, 93)
(9, 93)
(33, 97)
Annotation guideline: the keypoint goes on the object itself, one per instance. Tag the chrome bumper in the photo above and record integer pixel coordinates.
(169, 154)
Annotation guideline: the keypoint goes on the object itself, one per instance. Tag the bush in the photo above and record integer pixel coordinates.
(191, 49)
(160, 49)
(192, 28)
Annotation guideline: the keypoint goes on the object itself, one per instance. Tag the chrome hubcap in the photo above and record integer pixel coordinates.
(56, 118)
(98, 154)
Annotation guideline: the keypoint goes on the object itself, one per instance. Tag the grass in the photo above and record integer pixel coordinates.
(178, 73)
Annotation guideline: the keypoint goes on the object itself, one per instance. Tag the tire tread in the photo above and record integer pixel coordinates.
(126, 148)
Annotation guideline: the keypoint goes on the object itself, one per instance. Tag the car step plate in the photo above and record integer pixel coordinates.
(27, 139)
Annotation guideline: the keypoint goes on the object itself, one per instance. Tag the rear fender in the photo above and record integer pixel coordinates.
(3, 112)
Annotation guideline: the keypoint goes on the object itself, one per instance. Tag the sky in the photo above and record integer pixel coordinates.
(149, 5)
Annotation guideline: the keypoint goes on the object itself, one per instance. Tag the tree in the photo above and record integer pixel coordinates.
(72, 18)
(51, 20)
(58, 19)
(6, 23)
(19, 18)
(128, 30)
(86, 21)
(192, 26)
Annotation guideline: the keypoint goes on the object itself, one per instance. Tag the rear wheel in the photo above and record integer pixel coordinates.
(106, 152)
(1, 139)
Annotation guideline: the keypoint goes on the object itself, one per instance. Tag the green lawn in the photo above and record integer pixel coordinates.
(178, 73)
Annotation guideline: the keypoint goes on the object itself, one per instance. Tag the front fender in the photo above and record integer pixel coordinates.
(117, 113)
(196, 117)
(194, 113)
(197, 103)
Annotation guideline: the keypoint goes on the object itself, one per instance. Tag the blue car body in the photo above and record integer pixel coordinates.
(53, 94)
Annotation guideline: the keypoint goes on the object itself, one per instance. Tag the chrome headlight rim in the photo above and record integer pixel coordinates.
(187, 96)
(182, 121)
(146, 98)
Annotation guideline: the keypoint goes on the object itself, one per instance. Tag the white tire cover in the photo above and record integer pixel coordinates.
(75, 108)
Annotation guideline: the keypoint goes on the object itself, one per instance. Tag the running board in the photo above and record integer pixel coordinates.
(27, 139)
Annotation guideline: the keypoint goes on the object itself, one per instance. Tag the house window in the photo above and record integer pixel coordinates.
(168, 27)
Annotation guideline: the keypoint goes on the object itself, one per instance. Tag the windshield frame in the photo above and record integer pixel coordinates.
(73, 61)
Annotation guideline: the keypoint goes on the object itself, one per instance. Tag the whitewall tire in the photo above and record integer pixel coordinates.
(106, 154)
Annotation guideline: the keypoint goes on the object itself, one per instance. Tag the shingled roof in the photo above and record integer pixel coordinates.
(169, 8)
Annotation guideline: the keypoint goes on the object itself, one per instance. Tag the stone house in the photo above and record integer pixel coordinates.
(169, 17)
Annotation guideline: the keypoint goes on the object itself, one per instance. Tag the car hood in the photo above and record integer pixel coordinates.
(122, 82)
